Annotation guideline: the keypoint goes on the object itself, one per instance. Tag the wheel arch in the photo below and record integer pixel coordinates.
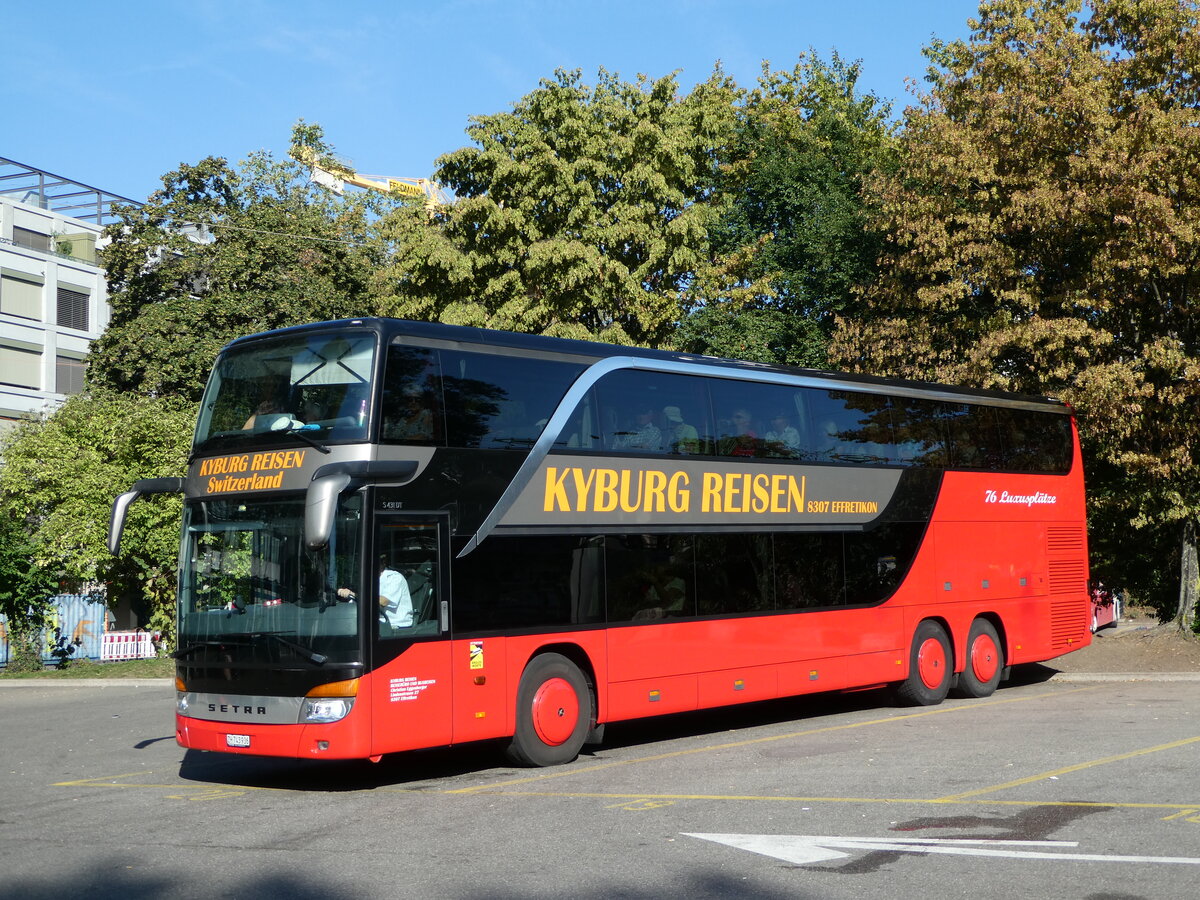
(956, 645)
(582, 660)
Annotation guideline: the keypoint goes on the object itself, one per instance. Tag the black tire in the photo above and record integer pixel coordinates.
(985, 661)
(554, 712)
(930, 667)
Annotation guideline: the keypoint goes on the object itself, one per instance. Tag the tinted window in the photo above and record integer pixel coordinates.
(809, 571)
(738, 411)
(650, 576)
(919, 430)
(878, 560)
(634, 412)
(412, 397)
(1035, 442)
(460, 399)
(733, 573)
(500, 401)
(529, 582)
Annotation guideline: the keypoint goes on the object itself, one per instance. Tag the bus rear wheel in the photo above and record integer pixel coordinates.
(930, 665)
(554, 712)
(985, 661)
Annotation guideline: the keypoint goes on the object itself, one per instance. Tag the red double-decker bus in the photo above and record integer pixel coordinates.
(400, 535)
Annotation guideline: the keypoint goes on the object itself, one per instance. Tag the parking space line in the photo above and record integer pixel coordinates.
(94, 781)
(1054, 773)
(728, 745)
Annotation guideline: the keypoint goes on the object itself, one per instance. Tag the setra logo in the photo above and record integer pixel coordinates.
(236, 708)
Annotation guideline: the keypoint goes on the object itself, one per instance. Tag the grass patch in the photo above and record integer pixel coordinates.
(86, 668)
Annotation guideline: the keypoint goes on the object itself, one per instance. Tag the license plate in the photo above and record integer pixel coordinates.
(237, 740)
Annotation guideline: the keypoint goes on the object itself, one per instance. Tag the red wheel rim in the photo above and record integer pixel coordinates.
(555, 711)
(931, 663)
(985, 658)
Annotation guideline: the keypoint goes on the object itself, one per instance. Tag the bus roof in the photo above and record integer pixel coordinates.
(469, 337)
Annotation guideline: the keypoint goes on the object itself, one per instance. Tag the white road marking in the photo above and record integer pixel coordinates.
(801, 849)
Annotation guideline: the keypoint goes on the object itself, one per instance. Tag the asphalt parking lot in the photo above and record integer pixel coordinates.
(1048, 789)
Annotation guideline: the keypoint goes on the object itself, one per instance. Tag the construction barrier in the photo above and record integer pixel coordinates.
(126, 645)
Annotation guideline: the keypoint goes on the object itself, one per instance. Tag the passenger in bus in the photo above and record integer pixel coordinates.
(680, 436)
(412, 419)
(782, 439)
(395, 602)
(271, 407)
(743, 441)
(643, 435)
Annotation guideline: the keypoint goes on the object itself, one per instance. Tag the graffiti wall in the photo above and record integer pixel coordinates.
(82, 621)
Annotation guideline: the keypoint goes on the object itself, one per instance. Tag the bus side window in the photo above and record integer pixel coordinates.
(412, 397)
(974, 439)
(733, 573)
(919, 430)
(810, 571)
(649, 576)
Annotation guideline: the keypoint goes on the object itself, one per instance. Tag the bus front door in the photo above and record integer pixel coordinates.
(411, 690)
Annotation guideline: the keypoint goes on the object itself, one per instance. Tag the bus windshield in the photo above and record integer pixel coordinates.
(247, 579)
(316, 386)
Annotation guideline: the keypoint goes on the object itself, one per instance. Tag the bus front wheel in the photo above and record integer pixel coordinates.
(985, 661)
(554, 712)
(930, 665)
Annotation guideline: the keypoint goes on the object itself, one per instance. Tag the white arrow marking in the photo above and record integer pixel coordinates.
(801, 849)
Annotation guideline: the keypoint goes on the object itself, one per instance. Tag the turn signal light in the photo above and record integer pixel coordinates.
(335, 689)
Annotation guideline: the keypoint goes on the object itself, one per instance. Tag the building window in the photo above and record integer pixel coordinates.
(31, 240)
(20, 368)
(72, 308)
(20, 297)
(68, 375)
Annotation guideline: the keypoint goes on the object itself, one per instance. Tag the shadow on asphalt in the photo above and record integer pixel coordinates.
(416, 769)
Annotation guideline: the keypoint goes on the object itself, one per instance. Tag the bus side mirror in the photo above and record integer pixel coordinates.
(320, 503)
(116, 522)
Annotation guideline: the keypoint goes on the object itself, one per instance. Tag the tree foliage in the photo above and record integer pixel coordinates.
(221, 252)
(25, 591)
(798, 216)
(60, 476)
(583, 212)
(1044, 237)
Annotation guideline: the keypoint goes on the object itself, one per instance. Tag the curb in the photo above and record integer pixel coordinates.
(85, 682)
(1096, 677)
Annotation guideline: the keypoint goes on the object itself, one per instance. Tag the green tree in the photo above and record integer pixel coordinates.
(25, 588)
(60, 476)
(799, 218)
(221, 252)
(1044, 238)
(583, 212)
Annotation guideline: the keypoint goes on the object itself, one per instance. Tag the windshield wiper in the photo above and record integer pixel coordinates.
(313, 657)
(297, 431)
(198, 645)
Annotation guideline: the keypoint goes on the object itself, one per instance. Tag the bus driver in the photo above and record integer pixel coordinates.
(395, 602)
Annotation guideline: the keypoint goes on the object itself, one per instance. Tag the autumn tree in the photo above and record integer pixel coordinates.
(1044, 238)
(582, 212)
(798, 219)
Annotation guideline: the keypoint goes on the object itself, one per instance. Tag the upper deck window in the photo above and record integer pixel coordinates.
(316, 386)
(460, 398)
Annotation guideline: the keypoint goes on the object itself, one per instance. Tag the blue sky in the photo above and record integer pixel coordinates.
(114, 95)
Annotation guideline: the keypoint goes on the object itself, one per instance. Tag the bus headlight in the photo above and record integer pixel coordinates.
(329, 702)
(325, 709)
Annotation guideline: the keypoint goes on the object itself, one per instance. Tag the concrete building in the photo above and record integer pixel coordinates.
(53, 295)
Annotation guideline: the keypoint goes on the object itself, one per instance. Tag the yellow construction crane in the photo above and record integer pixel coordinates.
(335, 175)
